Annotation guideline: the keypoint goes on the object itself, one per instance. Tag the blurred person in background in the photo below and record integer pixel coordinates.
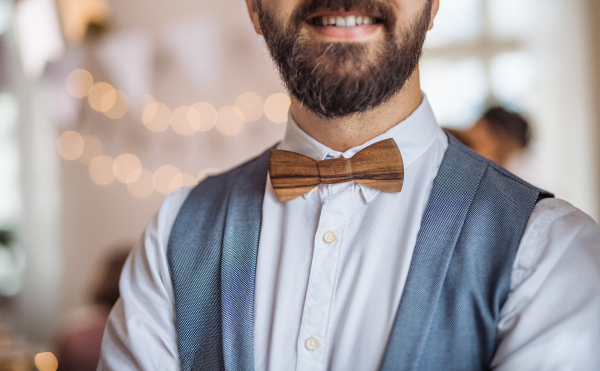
(79, 344)
(498, 135)
(369, 239)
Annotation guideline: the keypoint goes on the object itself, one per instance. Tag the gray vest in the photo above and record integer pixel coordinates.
(458, 280)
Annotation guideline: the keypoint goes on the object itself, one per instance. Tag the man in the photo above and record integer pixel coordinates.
(375, 242)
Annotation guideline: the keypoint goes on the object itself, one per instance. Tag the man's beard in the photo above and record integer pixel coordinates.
(337, 79)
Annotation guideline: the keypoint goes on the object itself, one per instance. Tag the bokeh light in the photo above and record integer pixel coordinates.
(70, 145)
(96, 95)
(156, 117)
(180, 122)
(108, 100)
(182, 180)
(162, 178)
(127, 168)
(46, 362)
(229, 121)
(206, 172)
(120, 104)
(101, 170)
(79, 83)
(144, 185)
(202, 116)
(188, 180)
(277, 107)
(77, 15)
(92, 148)
(250, 105)
(148, 99)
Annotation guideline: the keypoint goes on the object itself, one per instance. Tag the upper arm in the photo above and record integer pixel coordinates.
(551, 320)
(140, 333)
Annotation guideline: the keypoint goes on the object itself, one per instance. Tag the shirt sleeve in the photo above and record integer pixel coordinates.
(140, 333)
(551, 319)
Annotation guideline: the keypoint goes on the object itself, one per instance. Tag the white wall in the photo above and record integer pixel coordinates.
(565, 153)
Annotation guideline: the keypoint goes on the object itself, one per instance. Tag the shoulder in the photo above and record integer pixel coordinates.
(207, 203)
(472, 158)
(555, 212)
(495, 185)
(221, 184)
(554, 301)
(557, 224)
(557, 232)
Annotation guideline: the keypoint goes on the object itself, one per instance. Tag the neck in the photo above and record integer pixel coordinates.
(341, 134)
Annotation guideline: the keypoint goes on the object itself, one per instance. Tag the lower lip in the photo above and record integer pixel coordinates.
(346, 33)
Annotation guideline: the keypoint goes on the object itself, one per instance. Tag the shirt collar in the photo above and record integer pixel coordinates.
(413, 136)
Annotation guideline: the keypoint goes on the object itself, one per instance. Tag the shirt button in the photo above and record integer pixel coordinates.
(329, 237)
(312, 343)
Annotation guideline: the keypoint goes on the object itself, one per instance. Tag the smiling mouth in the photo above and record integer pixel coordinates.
(343, 21)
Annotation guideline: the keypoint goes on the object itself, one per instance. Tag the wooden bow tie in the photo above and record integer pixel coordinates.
(378, 166)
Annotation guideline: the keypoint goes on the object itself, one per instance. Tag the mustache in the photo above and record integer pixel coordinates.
(381, 9)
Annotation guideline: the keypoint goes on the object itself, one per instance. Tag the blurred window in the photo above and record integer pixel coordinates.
(9, 148)
(512, 78)
(457, 88)
(5, 15)
(509, 18)
(476, 55)
(457, 21)
(11, 259)
(9, 161)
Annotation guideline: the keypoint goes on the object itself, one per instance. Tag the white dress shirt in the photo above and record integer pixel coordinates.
(332, 266)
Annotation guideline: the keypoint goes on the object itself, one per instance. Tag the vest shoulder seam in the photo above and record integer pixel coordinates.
(499, 169)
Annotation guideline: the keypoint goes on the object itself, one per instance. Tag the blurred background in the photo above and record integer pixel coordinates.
(107, 106)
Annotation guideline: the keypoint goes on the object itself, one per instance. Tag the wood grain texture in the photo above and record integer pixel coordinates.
(292, 174)
(378, 166)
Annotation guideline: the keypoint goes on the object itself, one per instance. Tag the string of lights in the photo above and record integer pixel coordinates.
(126, 168)
(184, 120)
(157, 117)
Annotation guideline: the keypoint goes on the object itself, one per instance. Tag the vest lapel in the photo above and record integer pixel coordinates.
(453, 191)
(238, 264)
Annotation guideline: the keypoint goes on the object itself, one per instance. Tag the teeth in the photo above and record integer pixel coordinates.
(349, 21)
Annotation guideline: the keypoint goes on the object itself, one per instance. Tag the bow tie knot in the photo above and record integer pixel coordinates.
(378, 166)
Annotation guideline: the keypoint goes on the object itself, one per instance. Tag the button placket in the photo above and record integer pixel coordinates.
(312, 342)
